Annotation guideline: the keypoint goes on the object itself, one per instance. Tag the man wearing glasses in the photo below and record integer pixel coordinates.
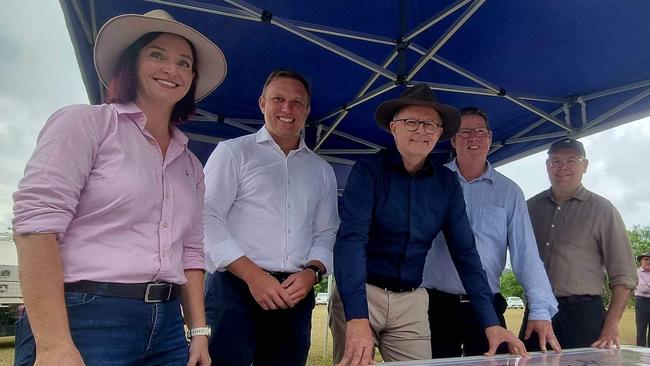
(582, 241)
(497, 213)
(393, 207)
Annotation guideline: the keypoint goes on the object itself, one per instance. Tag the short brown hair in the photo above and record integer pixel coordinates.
(290, 74)
(475, 111)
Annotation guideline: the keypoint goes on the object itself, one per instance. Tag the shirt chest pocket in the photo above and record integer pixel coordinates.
(489, 222)
(569, 229)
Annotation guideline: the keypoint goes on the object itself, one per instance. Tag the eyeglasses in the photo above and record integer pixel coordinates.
(412, 125)
(570, 162)
(467, 132)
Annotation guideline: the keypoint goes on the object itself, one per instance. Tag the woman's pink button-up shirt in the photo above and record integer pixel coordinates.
(122, 213)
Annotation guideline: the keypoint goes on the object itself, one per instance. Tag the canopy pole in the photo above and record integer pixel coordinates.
(445, 37)
(617, 109)
(359, 94)
(435, 19)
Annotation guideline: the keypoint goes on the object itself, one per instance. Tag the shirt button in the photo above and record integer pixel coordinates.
(552, 225)
(289, 231)
(289, 205)
(548, 244)
(165, 225)
(559, 208)
(152, 142)
(166, 195)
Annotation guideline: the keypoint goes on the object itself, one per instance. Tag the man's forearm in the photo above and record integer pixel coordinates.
(617, 304)
(244, 268)
(41, 283)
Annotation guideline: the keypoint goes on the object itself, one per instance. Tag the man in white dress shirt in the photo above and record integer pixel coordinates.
(270, 224)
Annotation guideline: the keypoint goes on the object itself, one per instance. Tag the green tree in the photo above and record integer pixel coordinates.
(322, 286)
(640, 239)
(509, 284)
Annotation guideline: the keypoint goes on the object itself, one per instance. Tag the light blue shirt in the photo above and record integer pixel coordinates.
(499, 218)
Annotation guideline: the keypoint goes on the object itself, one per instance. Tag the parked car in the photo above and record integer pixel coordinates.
(515, 302)
(11, 299)
(322, 298)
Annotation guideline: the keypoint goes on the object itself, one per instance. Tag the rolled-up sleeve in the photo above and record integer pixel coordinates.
(617, 251)
(221, 186)
(193, 251)
(58, 170)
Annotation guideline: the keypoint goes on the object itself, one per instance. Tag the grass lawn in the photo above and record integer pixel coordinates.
(317, 356)
(6, 351)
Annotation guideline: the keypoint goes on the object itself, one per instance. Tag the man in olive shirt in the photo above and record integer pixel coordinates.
(582, 241)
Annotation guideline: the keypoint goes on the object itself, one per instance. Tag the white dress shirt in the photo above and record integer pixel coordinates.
(278, 210)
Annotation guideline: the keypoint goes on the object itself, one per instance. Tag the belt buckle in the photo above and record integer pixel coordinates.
(148, 292)
(463, 299)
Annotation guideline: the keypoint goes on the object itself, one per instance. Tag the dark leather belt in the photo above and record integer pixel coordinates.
(152, 292)
(446, 296)
(391, 288)
(574, 299)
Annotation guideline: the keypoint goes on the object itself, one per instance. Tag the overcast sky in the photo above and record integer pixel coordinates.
(40, 74)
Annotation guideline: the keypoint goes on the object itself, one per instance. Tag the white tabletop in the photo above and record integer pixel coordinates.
(626, 356)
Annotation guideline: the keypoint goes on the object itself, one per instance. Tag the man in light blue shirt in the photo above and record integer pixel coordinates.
(499, 218)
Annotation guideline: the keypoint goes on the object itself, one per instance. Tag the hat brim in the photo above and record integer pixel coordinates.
(120, 32)
(450, 117)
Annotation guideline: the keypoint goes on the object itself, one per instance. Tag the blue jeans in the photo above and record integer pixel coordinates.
(243, 333)
(116, 331)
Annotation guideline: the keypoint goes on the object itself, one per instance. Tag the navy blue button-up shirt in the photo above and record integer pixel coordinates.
(389, 219)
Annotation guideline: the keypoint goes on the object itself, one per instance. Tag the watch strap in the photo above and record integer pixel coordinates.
(200, 331)
(317, 271)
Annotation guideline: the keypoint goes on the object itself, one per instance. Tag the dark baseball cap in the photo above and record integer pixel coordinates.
(568, 144)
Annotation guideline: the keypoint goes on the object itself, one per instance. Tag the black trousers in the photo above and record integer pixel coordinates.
(244, 334)
(455, 329)
(577, 323)
(642, 311)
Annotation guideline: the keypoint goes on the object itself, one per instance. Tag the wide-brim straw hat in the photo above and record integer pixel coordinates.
(419, 95)
(120, 32)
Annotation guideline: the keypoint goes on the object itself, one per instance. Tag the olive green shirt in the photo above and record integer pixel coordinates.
(581, 241)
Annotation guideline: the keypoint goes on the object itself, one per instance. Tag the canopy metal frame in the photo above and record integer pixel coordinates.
(309, 32)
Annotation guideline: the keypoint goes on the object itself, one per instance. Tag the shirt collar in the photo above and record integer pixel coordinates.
(140, 119)
(487, 175)
(263, 135)
(127, 108)
(394, 159)
(581, 194)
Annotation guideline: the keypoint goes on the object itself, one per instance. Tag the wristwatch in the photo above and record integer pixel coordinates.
(317, 271)
(200, 331)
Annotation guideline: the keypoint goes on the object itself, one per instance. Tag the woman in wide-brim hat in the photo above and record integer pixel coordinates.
(107, 218)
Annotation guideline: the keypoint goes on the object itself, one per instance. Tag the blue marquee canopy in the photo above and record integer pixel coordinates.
(542, 69)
